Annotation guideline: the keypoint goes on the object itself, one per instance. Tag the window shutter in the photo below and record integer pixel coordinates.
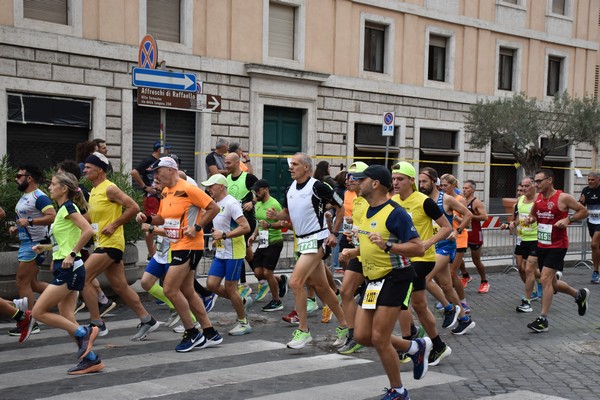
(163, 19)
(437, 41)
(596, 81)
(54, 11)
(558, 7)
(281, 31)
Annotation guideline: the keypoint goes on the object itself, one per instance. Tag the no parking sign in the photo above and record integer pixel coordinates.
(388, 124)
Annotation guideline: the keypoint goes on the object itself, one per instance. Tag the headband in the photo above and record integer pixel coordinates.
(95, 160)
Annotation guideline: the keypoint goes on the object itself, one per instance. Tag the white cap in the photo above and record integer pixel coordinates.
(216, 179)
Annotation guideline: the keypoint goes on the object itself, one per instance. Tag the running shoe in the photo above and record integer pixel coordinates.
(326, 314)
(210, 301)
(463, 326)
(342, 335)
(86, 342)
(420, 331)
(465, 307)
(540, 290)
(595, 277)
(391, 394)
(248, 301)
(273, 305)
(174, 318)
(213, 341)
(80, 305)
(86, 366)
(263, 289)
(145, 328)
(450, 317)
(244, 290)
(311, 305)
(539, 325)
(439, 306)
(291, 318)
(525, 306)
(179, 329)
(35, 329)
(484, 287)
(534, 296)
(582, 301)
(240, 329)
(465, 281)
(189, 341)
(299, 339)
(436, 356)
(26, 326)
(403, 357)
(102, 329)
(350, 347)
(283, 285)
(421, 357)
(106, 308)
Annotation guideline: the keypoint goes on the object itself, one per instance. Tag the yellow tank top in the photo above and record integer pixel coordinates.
(424, 225)
(103, 212)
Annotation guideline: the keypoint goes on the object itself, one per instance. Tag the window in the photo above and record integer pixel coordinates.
(374, 48)
(511, 1)
(55, 11)
(370, 143)
(559, 7)
(437, 58)
(281, 31)
(163, 19)
(554, 75)
(437, 149)
(506, 68)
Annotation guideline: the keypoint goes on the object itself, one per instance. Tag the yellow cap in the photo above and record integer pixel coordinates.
(407, 169)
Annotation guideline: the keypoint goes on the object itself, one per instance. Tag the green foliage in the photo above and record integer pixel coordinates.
(9, 196)
(122, 179)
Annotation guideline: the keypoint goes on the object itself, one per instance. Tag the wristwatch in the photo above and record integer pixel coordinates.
(197, 227)
(571, 219)
(73, 254)
(224, 235)
(151, 228)
(30, 220)
(459, 230)
(388, 246)
(269, 225)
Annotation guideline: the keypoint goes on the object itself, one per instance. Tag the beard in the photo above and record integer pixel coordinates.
(23, 186)
(425, 190)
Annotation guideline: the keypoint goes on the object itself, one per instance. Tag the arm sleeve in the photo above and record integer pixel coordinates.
(43, 202)
(431, 209)
(325, 192)
(284, 203)
(71, 209)
(210, 160)
(400, 224)
(250, 181)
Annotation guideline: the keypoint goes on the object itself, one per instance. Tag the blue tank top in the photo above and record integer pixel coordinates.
(445, 242)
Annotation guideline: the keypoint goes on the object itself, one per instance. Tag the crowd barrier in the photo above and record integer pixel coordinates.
(498, 245)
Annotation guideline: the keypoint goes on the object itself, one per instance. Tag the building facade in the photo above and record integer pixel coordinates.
(295, 75)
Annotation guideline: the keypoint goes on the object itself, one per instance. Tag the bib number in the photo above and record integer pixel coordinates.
(594, 216)
(172, 229)
(95, 229)
(219, 244)
(263, 239)
(347, 226)
(545, 233)
(436, 227)
(308, 245)
(371, 295)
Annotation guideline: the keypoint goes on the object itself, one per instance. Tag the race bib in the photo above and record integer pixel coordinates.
(545, 233)
(172, 228)
(522, 226)
(355, 241)
(263, 239)
(219, 244)
(308, 245)
(436, 227)
(371, 295)
(594, 216)
(347, 226)
(95, 229)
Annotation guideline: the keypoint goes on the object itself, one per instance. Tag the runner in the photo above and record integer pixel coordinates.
(304, 205)
(387, 237)
(551, 212)
(69, 233)
(475, 238)
(590, 197)
(270, 245)
(109, 209)
(183, 227)
(229, 228)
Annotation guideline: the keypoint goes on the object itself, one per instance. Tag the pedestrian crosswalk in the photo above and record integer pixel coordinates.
(250, 367)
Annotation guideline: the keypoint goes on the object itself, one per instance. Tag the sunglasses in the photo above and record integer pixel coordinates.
(19, 176)
(351, 177)
(538, 181)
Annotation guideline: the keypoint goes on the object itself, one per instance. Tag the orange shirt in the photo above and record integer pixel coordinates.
(180, 208)
(461, 240)
(349, 197)
(243, 167)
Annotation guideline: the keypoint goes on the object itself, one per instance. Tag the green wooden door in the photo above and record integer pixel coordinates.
(282, 135)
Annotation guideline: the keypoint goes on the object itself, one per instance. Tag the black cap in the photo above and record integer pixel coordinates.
(261, 183)
(378, 173)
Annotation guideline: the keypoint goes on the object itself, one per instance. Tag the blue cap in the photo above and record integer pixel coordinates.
(157, 145)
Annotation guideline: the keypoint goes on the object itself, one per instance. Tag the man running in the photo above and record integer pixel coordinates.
(551, 212)
(109, 210)
(304, 205)
(590, 197)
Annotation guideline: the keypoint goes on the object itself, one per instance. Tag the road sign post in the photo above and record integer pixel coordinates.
(387, 130)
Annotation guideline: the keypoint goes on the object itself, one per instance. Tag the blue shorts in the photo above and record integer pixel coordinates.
(156, 269)
(228, 269)
(75, 279)
(446, 248)
(26, 254)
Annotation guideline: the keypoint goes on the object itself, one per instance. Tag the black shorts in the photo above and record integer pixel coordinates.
(179, 257)
(593, 228)
(474, 246)
(115, 254)
(354, 265)
(268, 257)
(422, 269)
(518, 250)
(396, 289)
(345, 244)
(529, 249)
(461, 250)
(551, 258)
(75, 279)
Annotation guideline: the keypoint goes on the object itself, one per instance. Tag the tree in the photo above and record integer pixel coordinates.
(517, 124)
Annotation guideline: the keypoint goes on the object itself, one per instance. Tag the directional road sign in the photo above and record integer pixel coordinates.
(160, 79)
(178, 100)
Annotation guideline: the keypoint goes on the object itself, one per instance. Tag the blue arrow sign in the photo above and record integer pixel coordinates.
(160, 79)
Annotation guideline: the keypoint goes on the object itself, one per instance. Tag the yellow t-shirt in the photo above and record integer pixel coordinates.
(413, 205)
(103, 212)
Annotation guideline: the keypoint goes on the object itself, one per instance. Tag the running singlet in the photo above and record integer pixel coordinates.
(592, 202)
(394, 225)
(229, 211)
(547, 213)
(32, 204)
(422, 210)
(475, 234)
(103, 212)
(436, 227)
(529, 233)
(64, 234)
(178, 211)
(274, 235)
(238, 188)
(461, 238)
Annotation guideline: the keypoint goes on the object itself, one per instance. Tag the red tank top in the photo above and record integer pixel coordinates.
(475, 234)
(547, 213)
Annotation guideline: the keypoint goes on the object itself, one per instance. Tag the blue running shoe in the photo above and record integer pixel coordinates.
(210, 301)
(213, 341)
(392, 394)
(263, 289)
(190, 340)
(86, 342)
(595, 277)
(421, 357)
